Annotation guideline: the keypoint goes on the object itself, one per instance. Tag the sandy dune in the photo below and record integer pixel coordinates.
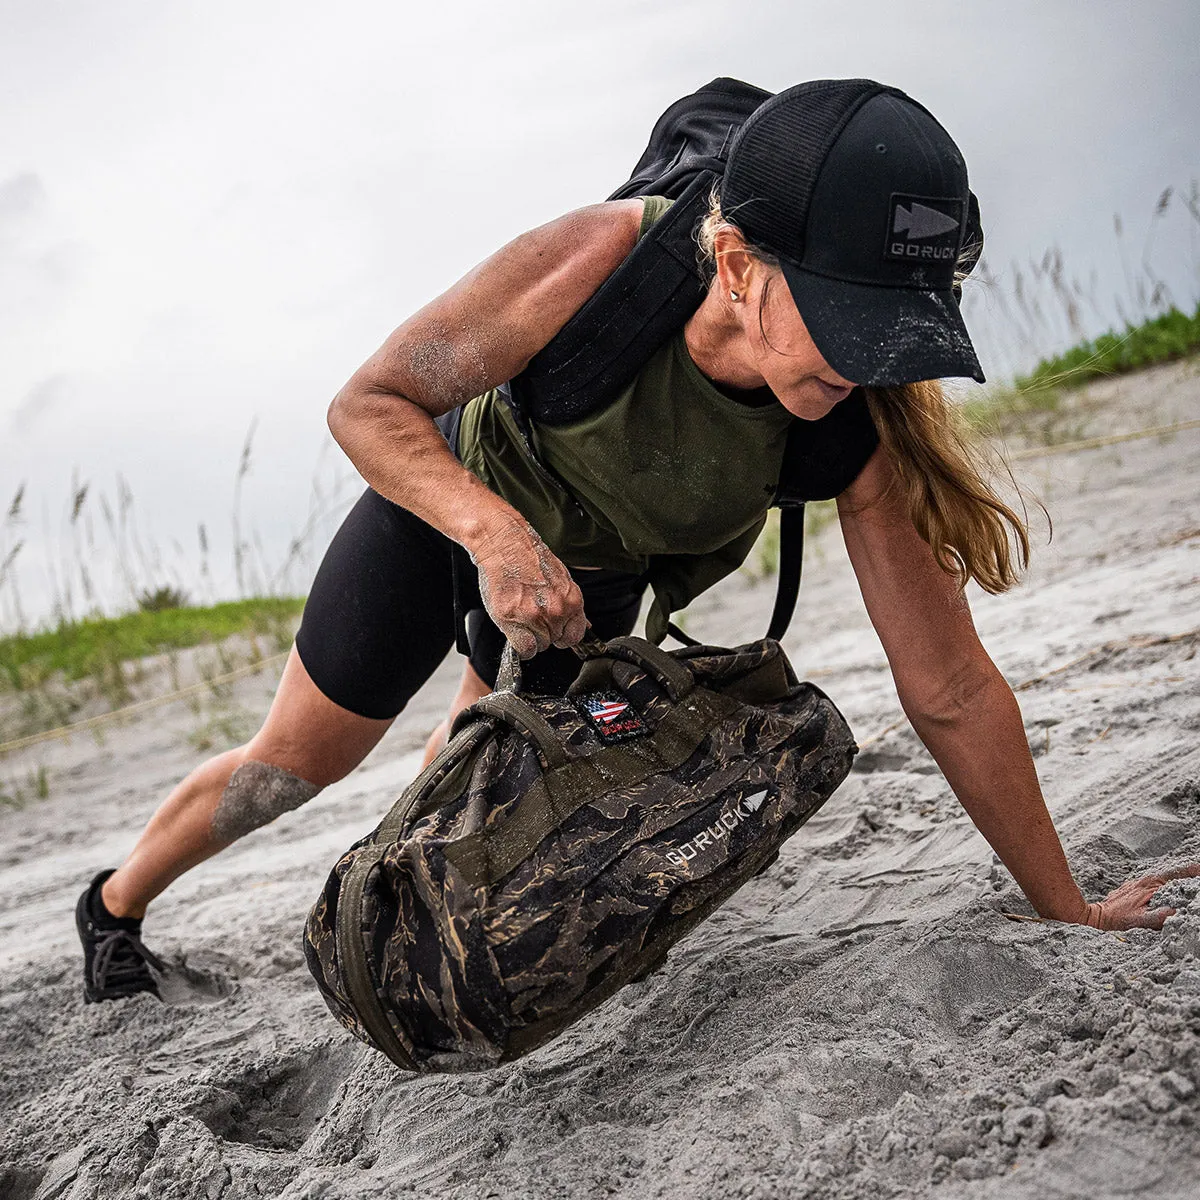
(860, 1021)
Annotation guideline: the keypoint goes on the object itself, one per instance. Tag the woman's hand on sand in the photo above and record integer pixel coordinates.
(527, 591)
(1128, 907)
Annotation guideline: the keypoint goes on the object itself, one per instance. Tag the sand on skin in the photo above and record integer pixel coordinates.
(859, 1021)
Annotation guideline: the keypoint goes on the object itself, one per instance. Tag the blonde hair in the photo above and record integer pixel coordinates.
(941, 472)
(940, 463)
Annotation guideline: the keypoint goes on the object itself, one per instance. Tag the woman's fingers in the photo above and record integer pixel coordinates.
(574, 623)
(529, 594)
(1149, 884)
(573, 632)
(1180, 872)
(555, 618)
(1157, 918)
(1128, 906)
(524, 641)
(1143, 918)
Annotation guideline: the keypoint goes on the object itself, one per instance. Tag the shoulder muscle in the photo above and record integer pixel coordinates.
(486, 327)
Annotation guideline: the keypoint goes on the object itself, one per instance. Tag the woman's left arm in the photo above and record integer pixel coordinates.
(962, 708)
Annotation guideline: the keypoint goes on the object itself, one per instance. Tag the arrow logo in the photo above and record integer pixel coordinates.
(921, 221)
(755, 802)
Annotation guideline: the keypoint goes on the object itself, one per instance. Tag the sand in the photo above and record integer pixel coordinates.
(860, 1021)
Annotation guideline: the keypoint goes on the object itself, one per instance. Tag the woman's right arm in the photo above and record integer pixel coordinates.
(479, 334)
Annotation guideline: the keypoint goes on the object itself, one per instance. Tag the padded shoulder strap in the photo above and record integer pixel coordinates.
(608, 341)
(654, 291)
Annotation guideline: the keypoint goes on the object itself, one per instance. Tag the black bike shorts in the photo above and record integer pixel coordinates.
(380, 615)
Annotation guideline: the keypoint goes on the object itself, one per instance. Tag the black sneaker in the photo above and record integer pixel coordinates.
(115, 963)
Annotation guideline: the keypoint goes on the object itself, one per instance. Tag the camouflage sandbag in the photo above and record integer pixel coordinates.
(559, 846)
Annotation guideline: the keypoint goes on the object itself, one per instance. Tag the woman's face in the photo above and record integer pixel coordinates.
(773, 342)
(782, 351)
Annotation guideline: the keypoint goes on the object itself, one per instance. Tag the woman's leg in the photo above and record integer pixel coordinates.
(378, 621)
(306, 743)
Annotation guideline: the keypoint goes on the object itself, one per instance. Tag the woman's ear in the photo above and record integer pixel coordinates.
(734, 263)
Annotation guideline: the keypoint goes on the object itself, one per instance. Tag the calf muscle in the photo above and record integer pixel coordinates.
(306, 743)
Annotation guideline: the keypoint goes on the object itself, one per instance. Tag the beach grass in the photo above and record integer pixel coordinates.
(1168, 337)
(87, 648)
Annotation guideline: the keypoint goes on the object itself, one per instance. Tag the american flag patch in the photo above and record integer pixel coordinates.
(611, 715)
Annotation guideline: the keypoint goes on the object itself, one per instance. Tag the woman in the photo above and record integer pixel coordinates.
(832, 252)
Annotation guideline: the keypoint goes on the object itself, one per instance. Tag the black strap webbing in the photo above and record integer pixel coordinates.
(461, 575)
(791, 558)
(684, 639)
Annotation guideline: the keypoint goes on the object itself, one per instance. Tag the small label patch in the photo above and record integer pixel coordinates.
(923, 228)
(611, 715)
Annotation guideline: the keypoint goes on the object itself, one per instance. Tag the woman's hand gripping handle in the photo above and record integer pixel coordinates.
(527, 591)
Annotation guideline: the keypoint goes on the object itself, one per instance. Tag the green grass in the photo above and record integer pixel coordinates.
(89, 647)
(35, 786)
(1171, 336)
(1166, 338)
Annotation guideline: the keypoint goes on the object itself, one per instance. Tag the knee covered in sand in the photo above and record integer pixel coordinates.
(255, 795)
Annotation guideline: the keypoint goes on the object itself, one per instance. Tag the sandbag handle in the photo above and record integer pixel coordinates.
(508, 678)
(511, 710)
(672, 674)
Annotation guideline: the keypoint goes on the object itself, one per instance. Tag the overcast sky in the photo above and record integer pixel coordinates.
(213, 212)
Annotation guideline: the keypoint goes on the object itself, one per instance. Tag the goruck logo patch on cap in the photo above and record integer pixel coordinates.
(923, 228)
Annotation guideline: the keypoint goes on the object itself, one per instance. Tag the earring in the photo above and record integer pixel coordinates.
(732, 294)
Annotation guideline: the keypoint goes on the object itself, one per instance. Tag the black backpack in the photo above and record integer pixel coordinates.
(651, 295)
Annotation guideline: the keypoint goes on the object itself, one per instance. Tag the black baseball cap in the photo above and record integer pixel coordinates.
(863, 197)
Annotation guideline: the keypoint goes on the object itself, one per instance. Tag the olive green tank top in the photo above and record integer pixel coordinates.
(673, 478)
